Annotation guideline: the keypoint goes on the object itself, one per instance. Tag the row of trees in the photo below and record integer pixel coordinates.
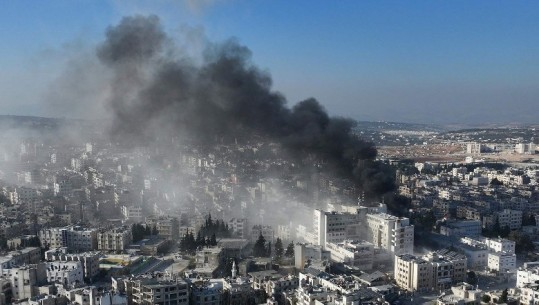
(263, 249)
(138, 231)
(218, 228)
(190, 244)
(206, 236)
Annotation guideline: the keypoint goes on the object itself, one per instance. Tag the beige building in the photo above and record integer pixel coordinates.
(432, 272)
(116, 239)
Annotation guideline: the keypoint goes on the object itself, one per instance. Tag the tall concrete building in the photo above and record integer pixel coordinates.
(334, 227)
(394, 234)
(433, 272)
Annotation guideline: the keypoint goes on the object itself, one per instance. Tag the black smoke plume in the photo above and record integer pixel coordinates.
(157, 90)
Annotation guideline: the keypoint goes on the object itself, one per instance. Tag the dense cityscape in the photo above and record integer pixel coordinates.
(94, 222)
(374, 153)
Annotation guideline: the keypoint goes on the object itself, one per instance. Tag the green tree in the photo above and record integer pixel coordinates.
(289, 250)
(154, 230)
(279, 249)
(504, 297)
(471, 278)
(213, 240)
(259, 249)
(485, 298)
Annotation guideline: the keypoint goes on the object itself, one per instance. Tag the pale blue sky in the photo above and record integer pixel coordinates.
(414, 61)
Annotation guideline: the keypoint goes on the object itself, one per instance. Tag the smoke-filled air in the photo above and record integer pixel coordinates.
(159, 91)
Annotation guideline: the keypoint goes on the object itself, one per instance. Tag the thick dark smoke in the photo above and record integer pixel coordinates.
(157, 91)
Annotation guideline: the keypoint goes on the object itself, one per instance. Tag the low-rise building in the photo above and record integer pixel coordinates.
(359, 254)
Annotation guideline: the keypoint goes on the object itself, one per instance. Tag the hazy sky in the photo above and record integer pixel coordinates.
(412, 61)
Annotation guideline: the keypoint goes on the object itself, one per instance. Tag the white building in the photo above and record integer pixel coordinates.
(358, 254)
(25, 280)
(65, 273)
(89, 260)
(336, 227)
(460, 228)
(391, 233)
(502, 261)
(528, 274)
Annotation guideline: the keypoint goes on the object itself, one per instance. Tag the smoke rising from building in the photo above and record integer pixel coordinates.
(158, 92)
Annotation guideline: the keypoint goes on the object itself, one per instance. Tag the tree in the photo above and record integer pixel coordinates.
(289, 250)
(259, 249)
(279, 250)
(471, 278)
(154, 230)
(495, 181)
(485, 298)
(268, 249)
(138, 232)
(523, 242)
(213, 240)
(503, 298)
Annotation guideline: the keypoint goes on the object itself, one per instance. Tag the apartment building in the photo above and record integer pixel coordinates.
(116, 239)
(168, 227)
(153, 290)
(75, 238)
(89, 260)
(391, 233)
(240, 227)
(432, 272)
(334, 227)
(65, 273)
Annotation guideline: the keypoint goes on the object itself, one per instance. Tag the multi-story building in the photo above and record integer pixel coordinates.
(240, 227)
(153, 290)
(498, 254)
(359, 254)
(30, 255)
(391, 233)
(89, 260)
(25, 280)
(206, 292)
(529, 294)
(65, 273)
(510, 218)
(132, 213)
(336, 227)
(434, 271)
(266, 231)
(502, 261)
(528, 274)
(116, 239)
(460, 228)
(168, 227)
(74, 238)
